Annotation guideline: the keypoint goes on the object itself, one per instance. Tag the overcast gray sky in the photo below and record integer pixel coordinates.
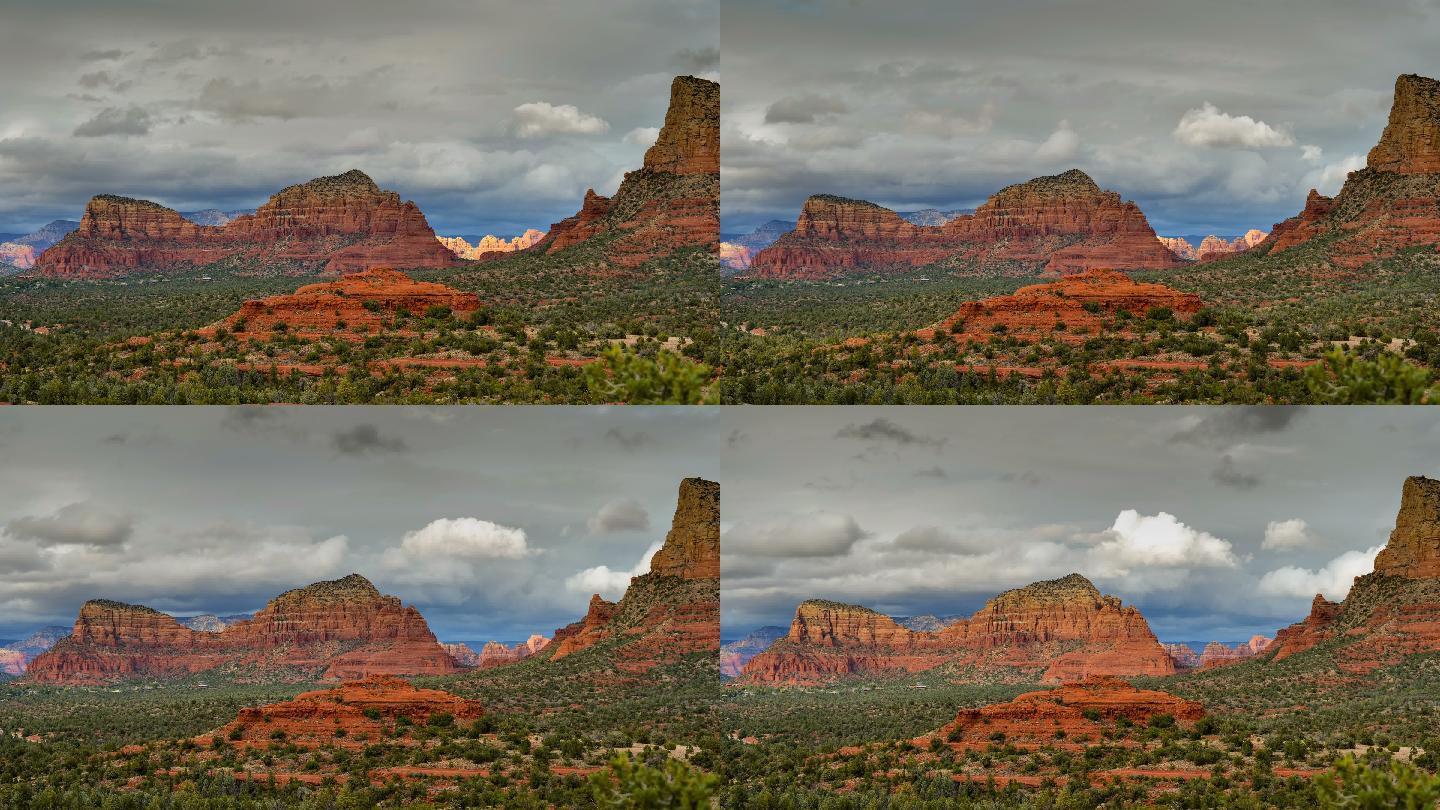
(495, 522)
(493, 116)
(1214, 116)
(1217, 522)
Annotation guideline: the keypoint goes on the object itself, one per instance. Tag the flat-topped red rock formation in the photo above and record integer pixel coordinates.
(361, 711)
(1389, 613)
(1071, 715)
(364, 301)
(342, 629)
(1391, 204)
(334, 224)
(1053, 631)
(1052, 225)
(671, 611)
(671, 202)
(1071, 306)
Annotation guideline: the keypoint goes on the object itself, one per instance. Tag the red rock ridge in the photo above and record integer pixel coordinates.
(362, 301)
(12, 662)
(1389, 613)
(334, 224)
(674, 609)
(1054, 631)
(361, 710)
(1053, 225)
(1391, 204)
(1082, 711)
(671, 202)
(343, 629)
(1072, 307)
(490, 244)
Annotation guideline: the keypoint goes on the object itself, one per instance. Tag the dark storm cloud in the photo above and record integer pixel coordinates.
(803, 109)
(629, 441)
(1228, 474)
(115, 121)
(475, 524)
(884, 430)
(1214, 117)
(74, 524)
(200, 105)
(1225, 426)
(364, 440)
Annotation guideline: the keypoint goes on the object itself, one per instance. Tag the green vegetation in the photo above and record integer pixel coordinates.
(1267, 318)
(135, 341)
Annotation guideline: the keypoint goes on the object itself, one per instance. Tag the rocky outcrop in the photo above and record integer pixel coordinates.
(1410, 143)
(1071, 307)
(671, 202)
(1183, 655)
(488, 244)
(1053, 631)
(334, 224)
(495, 653)
(1413, 549)
(669, 612)
(1391, 204)
(352, 715)
(734, 256)
(1390, 613)
(1219, 654)
(735, 655)
(692, 547)
(1180, 246)
(210, 623)
(341, 629)
(1072, 715)
(358, 302)
(17, 255)
(1053, 225)
(463, 654)
(12, 662)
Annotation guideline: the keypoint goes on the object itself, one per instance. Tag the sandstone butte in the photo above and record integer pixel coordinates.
(1082, 710)
(12, 662)
(735, 257)
(671, 611)
(363, 709)
(1393, 202)
(1212, 247)
(334, 224)
(1054, 631)
(356, 302)
(341, 629)
(17, 255)
(1216, 653)
(1078, 305)
(490, 244)
(495, 653)
(1053, 225)
(671, 202)
(1390, 613)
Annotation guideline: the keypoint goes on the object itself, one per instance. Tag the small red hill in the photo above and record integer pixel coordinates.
(360, 711)
(1068, 716)
(1069, 307)
(362, 301)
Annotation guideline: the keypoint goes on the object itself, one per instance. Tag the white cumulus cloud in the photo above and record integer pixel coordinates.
(1329, 179)
(539, 118)
(1333, 580)
(609, 583)
(1208, 126)
(1138, 541)
(1292, 533)
(1063, 144)
(644, 136)
(467, 538)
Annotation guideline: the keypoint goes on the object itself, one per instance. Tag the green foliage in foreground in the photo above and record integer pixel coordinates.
(622, 375)
(629, 785)
(1352, 784)
(1344, 378)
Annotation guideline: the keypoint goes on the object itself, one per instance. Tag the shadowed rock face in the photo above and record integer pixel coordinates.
(1391, 204)
(334, 224)
(342, 629)
(1052, 631)
(1082, 710)
(673, 610)
(1054, 225)
(671, 202)
(1390, 613)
